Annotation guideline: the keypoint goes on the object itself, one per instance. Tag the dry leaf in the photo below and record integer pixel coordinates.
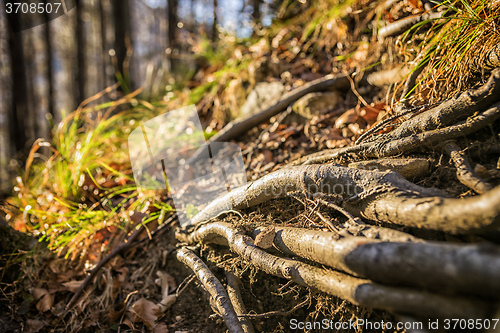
(73, 285)
(43, 298)
(34, 325)
(146, 311)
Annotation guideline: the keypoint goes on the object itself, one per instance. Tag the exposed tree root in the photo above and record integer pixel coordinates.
(213, 286)
(357, 291)
(375, 195)
(233, 290)
(465, 174)
(436, 266)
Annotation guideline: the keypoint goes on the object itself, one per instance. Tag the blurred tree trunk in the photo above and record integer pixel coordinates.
(256, 12)
(19, 88)
(122, 41)
(214, 27)
(106, 62)
(172, 6)
(81, 47)
(50, 77)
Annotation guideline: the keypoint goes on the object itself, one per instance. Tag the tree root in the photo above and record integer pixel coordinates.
(472, 269)
(465, 174)
(213, 286)
(233, 290)
(378, 196)
(427, 127)
(357, 291)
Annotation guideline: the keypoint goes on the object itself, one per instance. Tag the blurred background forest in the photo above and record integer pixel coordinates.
(48, 70)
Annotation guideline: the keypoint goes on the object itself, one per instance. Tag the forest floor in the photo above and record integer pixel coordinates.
(396, 100)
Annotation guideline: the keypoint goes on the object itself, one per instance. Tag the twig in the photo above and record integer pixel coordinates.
(465, 173)
(277, 313)
(214, 288)
(357, 291)
(233, 290)
(122, 247)
(398, 27)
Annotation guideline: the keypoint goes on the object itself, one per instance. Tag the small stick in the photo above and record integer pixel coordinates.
(122, 247)
(214, 288)
(233, 290)
(465, 173)
(277, 313)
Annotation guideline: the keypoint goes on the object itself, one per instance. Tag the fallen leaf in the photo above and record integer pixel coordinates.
(43, 298)
(146, 311)
(34, 325)
(348, 117)
(73, 285)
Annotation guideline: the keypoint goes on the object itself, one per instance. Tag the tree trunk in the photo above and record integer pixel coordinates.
(81, 46)
(121, 20)
(19, 87)
(172, 29)
(50, 77)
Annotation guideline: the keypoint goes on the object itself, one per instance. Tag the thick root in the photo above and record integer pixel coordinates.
(439, 266)
(378, 196)
(357, 291)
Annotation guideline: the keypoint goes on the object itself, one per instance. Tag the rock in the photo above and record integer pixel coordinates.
(316, 103)
(262, 96)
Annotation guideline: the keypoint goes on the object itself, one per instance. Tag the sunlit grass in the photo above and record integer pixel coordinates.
(452, 47)
(85, 184)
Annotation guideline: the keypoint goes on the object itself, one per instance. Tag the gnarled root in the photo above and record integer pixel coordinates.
(355, 290)
(375, 195)
(213, 286)
(465, 174)
(440, 266)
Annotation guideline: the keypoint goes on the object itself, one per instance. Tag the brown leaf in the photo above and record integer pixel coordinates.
(34, 325)
(146, 311)
(73, 285)
(43, 298)
(348, 117)
(160, 328)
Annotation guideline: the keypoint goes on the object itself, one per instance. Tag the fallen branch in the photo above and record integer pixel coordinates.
(233, 291)
(242, 125)
(465, 173)
(357, 291)
(378, 196)
(214, 288)
(400, 26)
(438, 266)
